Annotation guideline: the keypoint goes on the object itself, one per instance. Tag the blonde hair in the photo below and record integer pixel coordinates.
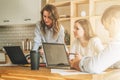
(85, 24)
(110, 13)
(111, 20)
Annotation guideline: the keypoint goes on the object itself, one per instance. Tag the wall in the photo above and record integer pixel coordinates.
(15, 34)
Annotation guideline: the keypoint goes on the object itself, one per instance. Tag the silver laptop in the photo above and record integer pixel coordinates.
(55, 54)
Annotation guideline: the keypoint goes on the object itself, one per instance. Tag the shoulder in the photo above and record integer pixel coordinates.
(94, 40)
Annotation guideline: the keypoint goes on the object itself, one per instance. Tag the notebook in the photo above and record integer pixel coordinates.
(15, 54)
(55, 55)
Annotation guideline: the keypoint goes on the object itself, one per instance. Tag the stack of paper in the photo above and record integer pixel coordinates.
(66, 71)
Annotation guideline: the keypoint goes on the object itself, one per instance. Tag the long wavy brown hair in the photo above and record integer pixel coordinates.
(54, 16)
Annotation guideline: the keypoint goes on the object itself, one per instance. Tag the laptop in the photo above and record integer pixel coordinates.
(55, 55)
(15, 54)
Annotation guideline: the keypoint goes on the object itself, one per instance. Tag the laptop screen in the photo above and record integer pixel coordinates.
(15, 54)
(55, 54)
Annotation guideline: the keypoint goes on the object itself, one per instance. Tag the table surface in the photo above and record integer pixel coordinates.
(25, 73)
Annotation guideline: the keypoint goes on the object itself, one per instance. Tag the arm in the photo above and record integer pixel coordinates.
(102, 61)
(75, 62)
(61, 35)
(37, 38)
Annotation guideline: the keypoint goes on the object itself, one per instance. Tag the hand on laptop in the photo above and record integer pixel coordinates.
(28, 58)
(75, 62)
(41, 51)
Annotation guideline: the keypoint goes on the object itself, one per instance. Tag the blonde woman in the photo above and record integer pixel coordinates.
(85, 43)
(111, 54)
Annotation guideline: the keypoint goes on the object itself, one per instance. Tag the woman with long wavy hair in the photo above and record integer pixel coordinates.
(48, 29)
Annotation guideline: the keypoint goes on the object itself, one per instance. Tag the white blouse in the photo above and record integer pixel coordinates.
(48, 37)
(93, 48)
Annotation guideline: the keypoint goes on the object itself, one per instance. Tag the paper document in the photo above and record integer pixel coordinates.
(66, 72)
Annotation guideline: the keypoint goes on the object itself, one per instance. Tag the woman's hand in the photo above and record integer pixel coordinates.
(75, 62)
(41, 51)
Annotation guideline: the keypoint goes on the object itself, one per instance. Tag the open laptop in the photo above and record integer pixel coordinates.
(55, 55)
(15, 54)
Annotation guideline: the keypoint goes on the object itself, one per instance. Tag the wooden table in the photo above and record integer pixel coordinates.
(25, 73)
